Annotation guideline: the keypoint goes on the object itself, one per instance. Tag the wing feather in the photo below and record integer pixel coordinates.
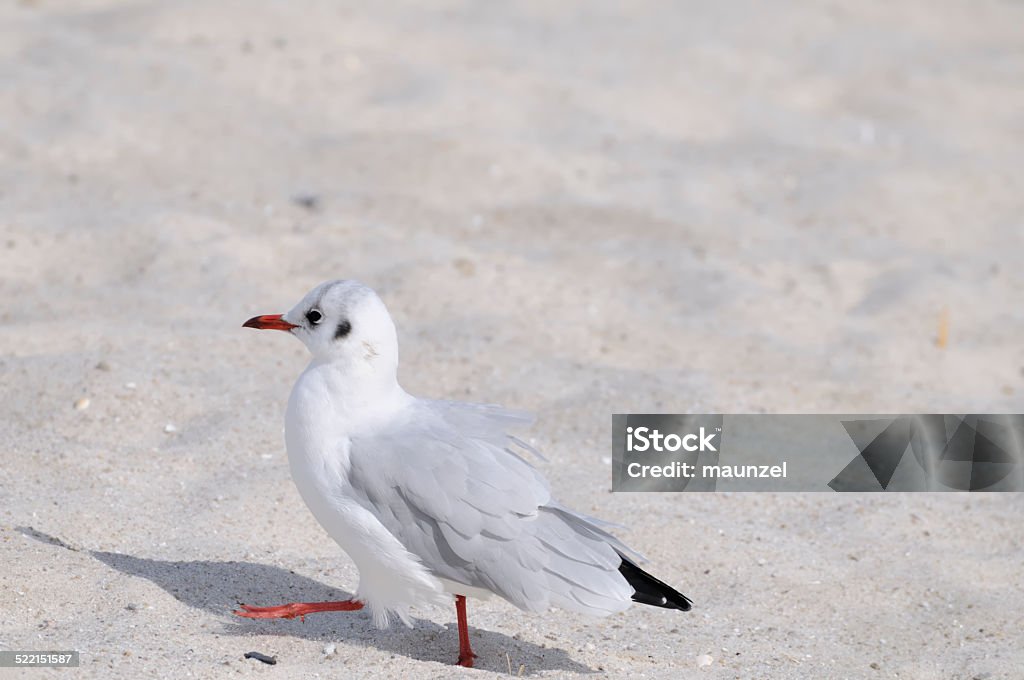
(445, 480)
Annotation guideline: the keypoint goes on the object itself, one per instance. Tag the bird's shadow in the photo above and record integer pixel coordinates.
(219, 587)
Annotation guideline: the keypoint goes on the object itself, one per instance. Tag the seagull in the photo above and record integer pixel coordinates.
(432, 499)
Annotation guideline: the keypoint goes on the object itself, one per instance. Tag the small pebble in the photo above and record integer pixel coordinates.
(329, 649)
(129, 386)
(271, 660)
(705, 660)
(82, 404)
(310, 202)
(169, 428)
(464, 266)
(103, 366)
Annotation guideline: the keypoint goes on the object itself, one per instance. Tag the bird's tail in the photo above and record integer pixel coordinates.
(649, 590)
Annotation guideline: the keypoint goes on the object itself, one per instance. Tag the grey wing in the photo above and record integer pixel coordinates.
(446, 482)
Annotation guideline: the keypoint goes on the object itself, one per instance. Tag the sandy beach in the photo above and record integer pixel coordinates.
(575, 209)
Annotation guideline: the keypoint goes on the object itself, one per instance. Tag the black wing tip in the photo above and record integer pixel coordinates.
(651, 591)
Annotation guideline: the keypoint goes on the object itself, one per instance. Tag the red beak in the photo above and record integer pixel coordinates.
(272, 322)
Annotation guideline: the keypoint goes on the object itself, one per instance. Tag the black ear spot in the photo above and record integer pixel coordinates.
(343, 329)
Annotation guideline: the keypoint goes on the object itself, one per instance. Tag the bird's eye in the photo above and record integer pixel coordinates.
(314, 316)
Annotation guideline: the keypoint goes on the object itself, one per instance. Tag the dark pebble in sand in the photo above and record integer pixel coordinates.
(261, 657)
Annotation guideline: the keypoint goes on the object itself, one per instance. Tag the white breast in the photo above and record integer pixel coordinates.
(318, 423)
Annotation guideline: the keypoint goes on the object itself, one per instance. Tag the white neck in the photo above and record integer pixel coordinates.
(351, 394)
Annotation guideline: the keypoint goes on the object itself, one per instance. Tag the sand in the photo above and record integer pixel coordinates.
(576, 209)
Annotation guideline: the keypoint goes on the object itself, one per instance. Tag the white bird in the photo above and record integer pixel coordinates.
(430, 497)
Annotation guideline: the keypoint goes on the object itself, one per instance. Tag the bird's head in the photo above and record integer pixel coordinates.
(341, 322)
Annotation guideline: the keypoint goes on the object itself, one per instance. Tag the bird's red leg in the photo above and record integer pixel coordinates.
(466, 654)
(300, 609)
